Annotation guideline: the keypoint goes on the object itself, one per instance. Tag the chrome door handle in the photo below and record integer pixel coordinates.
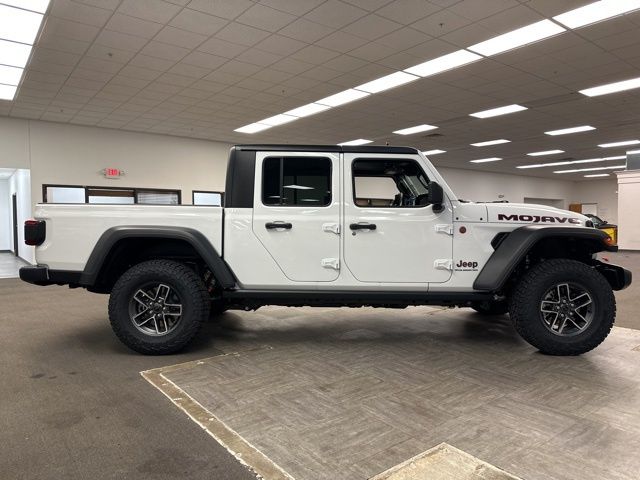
(276, 225)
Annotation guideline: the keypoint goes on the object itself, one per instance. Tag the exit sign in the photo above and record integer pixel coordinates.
(112, 172)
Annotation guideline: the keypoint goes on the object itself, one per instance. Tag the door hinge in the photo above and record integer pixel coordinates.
(331, 228)
(330, 263)
(444, 228)
(443, 264)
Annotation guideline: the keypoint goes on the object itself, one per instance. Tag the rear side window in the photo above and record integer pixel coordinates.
(296, 181)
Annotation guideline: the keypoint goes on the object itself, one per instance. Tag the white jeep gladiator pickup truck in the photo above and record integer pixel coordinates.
(331, 226)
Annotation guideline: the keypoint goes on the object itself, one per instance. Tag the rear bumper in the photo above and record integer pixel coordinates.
(42, 275)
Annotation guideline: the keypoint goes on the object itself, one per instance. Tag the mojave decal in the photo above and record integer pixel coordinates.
(536, 219)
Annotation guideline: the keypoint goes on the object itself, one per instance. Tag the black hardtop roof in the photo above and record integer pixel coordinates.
(327, 148)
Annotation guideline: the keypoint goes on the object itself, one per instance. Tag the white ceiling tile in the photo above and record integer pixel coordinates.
(122, 41)
(369, 5)
(258, 57)
(91, 75)
(345, 63)
(217, 46)
(280, 45)
(372, 52)
(228, 9)
(187, 70)
(265, 18)
(64, 44)
(440, 23)
(69, 29)
(152, 63)
(78, 12)
(179, 37)
(403, 39)
(55, 57)
(408, 11)
(152, 10)
(373, 26)
(242, 34)
(198, 22)
(314, 54)
(270, 75)
(341, 41)
(164, 50)
(306, 31)
(139, 72)
(132, 25)
(334, 13)
(291, 65)
(174, 79)
(298, 8)
(238, 68)
(125, 81)
(204, 60)
(109, 53)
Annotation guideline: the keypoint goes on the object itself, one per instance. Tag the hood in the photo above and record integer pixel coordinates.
(527, 213)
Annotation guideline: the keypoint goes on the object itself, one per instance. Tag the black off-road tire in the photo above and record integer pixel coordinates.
(490, 308)
(525, 305)
(185, 282)
(218, 307)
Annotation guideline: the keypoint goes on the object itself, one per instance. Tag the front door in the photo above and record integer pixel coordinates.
(296, 214)
(391, 233)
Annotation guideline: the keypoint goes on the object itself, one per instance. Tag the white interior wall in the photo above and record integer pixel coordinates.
(602, 192)
(5, 215)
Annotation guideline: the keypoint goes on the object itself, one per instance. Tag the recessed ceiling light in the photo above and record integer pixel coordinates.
(546, 152)
(433, 152)
(571, 162)
(385, 83)
(7, 92)
(491, 142)
(494, 112)
(443, 63)
(517, 38)
(252, 128)
(306, 110)
(19, 25)
(359, 141)
(343, 97)
(485, 160)
(565, 131)
(39, 6)
(619, 144)
(14, 54)
(417, 129)
(612, 87)
(595, 12)
(630, 152)
(591, 169)
(10, 75)
(277, 120)
(619, 157)
(597, 175)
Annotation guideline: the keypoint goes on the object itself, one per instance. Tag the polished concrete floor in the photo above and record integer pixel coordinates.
(74, 405)
(10, 264)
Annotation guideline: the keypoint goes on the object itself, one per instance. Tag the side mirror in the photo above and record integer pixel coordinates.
(436, 197)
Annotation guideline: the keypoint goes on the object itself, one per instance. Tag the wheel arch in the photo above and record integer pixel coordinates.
(539, 241)
(122, 245)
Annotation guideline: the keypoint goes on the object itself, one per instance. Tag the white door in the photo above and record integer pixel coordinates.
(296, 214)
(391, 233)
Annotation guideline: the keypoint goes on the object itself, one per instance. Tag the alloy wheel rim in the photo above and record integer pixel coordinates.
(567, 309)
(155, 309)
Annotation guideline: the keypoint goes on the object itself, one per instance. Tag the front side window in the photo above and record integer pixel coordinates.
(296, 181)
(389, 183)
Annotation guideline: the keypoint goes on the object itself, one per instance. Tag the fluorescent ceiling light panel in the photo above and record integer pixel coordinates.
(485, 160)
(491, 142)
(612, 87)
(7, 92)
(546, 152)
(619, 157)
(630, 152)
(566, 131)
(571, 162)
(433, 152)
(619, 144)
(10, 75)
(596, 12)
(591, 169)
(14, 54)
(517, 38)
(597, 175)
(19, 25)
(385, 83)
(39, 6)
(252, 128)
(306, 110)
(359, 141)
(417, 129)
(443, 63)
(277, 120)
(494, 112)
(343, 97)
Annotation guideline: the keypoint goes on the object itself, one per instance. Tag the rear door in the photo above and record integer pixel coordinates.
(296, 214)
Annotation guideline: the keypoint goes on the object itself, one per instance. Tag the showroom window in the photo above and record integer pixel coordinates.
(212, 199)
(399, 183)
(296, 181)
(109, 195)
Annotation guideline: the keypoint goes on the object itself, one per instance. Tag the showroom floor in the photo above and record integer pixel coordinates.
(9, 265)
(320, 393)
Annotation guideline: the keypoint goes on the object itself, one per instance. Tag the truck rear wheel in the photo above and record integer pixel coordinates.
(563, 307)
(158, 306)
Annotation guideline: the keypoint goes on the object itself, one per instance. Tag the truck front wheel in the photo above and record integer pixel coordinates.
(563, 307)
(158, 306)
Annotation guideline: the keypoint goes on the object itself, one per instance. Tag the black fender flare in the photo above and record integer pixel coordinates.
(223, 274)
(512, 250)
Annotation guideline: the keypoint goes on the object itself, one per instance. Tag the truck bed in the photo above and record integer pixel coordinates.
(74, 230)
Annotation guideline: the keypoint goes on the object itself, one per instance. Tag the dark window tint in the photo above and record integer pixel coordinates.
(389, 183)
(296, 181)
